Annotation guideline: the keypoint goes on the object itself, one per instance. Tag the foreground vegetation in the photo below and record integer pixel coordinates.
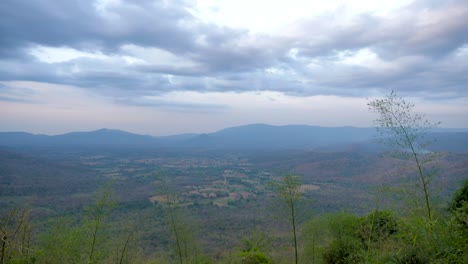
(212, 208)
(380, 236)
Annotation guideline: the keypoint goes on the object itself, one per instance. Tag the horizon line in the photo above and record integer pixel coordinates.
(201, 133)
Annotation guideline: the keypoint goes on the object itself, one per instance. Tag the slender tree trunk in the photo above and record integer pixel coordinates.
(418, 164)
(289, 191)
(125, 248)
(421, 174)
(424, 185)
(4, 238)
(93, 244)
(293, 219)
(176, 234)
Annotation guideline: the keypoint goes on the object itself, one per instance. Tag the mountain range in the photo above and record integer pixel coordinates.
(248, 137)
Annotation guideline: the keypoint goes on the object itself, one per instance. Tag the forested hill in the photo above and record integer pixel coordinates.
(249, 137)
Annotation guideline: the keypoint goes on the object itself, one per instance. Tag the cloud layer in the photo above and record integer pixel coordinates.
(138, 48)
(142, 53)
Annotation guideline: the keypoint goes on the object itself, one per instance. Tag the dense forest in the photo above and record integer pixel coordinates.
(407, 205)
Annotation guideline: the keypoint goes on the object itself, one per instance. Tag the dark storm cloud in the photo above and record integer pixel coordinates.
(420, 47)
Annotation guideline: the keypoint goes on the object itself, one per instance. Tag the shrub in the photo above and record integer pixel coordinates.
(377, 226)
(411, 255)
(341, 252)
(459, 209)
(460, 197)
(345, 246)
(254, 257)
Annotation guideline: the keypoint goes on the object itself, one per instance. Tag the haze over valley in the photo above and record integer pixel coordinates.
(235, 132)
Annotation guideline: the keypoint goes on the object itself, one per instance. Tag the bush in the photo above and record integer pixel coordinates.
(460, 197)
(252, 250)
(459, 209)
(411, 255)
(345, 246)
(377, 226)
(254, 257)
(341, 252)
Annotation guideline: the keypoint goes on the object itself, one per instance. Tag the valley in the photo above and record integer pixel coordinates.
(225, 195)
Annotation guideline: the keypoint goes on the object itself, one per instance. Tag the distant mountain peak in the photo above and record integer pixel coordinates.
(108, 130)
(248, 137)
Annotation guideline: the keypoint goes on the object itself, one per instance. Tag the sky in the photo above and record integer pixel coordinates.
(171, 67)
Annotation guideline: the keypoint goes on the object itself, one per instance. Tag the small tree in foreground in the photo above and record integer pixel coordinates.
(289, 192)
(252, 250)
(13, 225)
(97, 213)
(404, 129)
(344, 246)
(181, 225)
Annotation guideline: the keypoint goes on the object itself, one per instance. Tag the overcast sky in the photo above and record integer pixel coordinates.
(168, 67)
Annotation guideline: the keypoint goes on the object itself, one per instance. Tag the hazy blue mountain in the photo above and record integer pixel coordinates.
(100, 137)
(104, 137)
(249, 137)
(175, 140)
(261, 136)
(21, 138)
(449, 141)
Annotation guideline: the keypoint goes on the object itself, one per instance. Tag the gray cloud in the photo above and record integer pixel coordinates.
(420, 47)
(173, 106)
(420, 29)
(9, 94)
(79, 24)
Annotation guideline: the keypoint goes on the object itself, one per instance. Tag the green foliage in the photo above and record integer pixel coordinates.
(136, 232)
(187, 250)
(70, 240)
(436, 241)
(123, 245)
(460, 196)
(316, 236)
(381, 237)
(15, 237)
(96, 215)
(345, 244)
(252, 249)
(458, 224)
(459, 207)
(341, 252)
(288, 189)
(377, 226)
(411, 255)
(460, 218)
(65, 242)
(254, 257)
(343, 226)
